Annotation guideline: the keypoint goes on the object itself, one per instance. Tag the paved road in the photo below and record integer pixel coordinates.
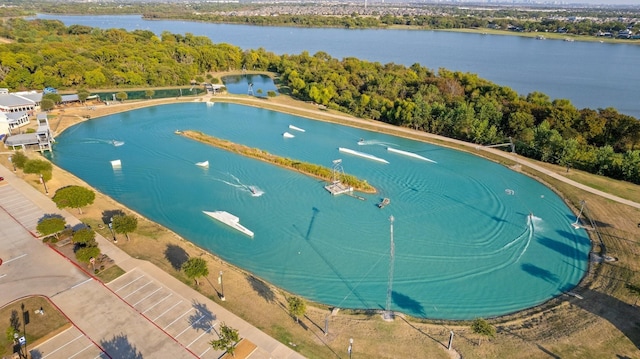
(144, 313)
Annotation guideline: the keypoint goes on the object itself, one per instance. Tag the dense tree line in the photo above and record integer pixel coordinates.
(453, 104)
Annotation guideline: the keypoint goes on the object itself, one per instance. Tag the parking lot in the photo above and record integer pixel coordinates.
(191, 323)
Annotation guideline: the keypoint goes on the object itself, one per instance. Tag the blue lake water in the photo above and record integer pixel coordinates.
(590, 74)
(466, 244)
(239, 85)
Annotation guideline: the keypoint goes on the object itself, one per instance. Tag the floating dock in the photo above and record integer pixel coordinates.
(337, 187)
(296, 128)
(410, 154)
(362, 154)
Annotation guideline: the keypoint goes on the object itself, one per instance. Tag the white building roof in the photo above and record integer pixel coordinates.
(13, 100)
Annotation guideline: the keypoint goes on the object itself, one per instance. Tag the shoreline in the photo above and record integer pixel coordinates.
(319, 312)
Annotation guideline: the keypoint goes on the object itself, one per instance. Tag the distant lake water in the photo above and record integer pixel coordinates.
(590, 74)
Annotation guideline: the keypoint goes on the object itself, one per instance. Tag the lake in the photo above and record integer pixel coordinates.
(590, 74)
(471, 238)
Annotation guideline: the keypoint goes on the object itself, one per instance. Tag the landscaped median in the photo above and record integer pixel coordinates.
(309, 169)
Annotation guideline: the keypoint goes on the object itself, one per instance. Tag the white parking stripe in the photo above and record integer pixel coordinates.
(204, 352)
(178, 318)
(189, 326)
(158, 302)
(13, 259)
(62, 346)
(135, 291)
(203, 333)
(85, 348)
(163, 313)
(150, 294)
(123, 287)
(81, 283)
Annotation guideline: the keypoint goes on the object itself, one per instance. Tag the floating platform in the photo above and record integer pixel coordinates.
(230, 220)
(337, 188)
(410, 154)
(362, 154)
(296, 128)
(116, 164)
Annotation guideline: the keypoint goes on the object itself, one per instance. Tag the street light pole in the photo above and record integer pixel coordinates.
(44, 184)
(222, 298)
(350, 347)
(111, 229)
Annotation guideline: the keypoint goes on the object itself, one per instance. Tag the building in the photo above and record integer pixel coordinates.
(19, 102)
(42, 138)
(15, 119)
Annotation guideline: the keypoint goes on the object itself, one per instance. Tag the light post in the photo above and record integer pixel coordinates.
(44, 184)
(14, 165)
(350, 347)
(222, 298)
(111, 229)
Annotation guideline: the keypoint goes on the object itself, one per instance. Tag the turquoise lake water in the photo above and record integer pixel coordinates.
(466, 244)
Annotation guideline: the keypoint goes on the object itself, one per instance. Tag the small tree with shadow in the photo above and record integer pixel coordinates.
(195, 268)
(297, 307)
(73, 197)
(124, 224)
(84, 254)
(51, 225)
(149, 94)
(85, 237)
(482, 327)
(229, 337)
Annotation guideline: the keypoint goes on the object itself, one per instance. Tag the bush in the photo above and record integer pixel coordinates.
(271, 93)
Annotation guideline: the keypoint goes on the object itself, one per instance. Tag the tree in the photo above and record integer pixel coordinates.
(195, 268)
(149, 93)
(39, 167)
(73, 197)
(297, 307)
(51, 225)
(85, 236)
(19, 159)
(47, 104)
(229, 337)
(85, 254)
(121, 96)
(124, 224)
(83, 95)
(482, 327)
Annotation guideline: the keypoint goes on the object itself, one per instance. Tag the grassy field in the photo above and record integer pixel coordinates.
(39, 328)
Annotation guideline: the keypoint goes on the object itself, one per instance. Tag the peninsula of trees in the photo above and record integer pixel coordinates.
(460, 105)
(310, 169)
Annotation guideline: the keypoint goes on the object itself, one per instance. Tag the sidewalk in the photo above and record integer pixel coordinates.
(103, 314)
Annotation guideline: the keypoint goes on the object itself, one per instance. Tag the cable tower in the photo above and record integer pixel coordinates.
(388, 314)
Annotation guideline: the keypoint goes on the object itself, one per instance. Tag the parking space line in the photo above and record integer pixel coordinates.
(163, 313)
(178, 318)
(85, 348)
(135, 291)
(189, 326)
(81, 283)
(203, 333)
(13, 259)
(150, 294)
(160, 301)
(205, 352)
(62, 346)
(126, 285)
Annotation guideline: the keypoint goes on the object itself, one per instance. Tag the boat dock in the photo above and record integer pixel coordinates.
(337, 187)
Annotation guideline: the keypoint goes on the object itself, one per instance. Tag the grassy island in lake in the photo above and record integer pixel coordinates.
(299, 166)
